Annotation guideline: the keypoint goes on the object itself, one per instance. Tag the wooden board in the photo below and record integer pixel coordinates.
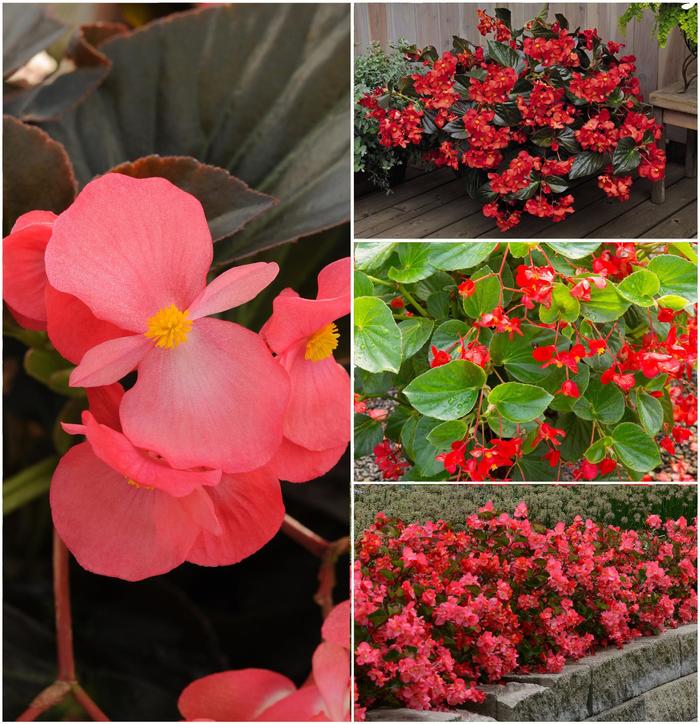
(436, 206)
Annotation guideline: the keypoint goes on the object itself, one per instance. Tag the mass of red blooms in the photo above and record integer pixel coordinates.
(660, 363)
(440, 611)
(542, 106)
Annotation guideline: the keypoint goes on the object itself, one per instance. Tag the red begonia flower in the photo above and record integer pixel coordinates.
(124, 512)
(302, 333)
(262, 695)
(137, 252)
(569, 389)
(24, 277)
(466, 288)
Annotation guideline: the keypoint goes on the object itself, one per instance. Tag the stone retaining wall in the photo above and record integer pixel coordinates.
(651, 679)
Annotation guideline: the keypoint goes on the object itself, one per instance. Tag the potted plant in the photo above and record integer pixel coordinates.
(524, 117)
(375, 164)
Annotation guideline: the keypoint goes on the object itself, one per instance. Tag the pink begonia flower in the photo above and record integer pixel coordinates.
(208, 392)
(23, 275)
(125, 513)
(302, 333)
(71, 326)
(262, 695)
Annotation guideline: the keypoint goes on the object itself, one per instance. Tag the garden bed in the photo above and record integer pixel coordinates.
(651, 679)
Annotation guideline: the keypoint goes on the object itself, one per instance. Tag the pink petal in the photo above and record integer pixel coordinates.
(233, 288)
(294, 318)
(336, 627)
(24, 276)
(33, 217)
(331, 666)
(115, 450)
(334, 280)
(27, 322)
(318, 416)
(73, 329)
(305, 704)
(104, 404)
(110, 361)
(297, 464)
(233, 695)
(250, 510)
(113, 528)
(128, 247)
(215, 401)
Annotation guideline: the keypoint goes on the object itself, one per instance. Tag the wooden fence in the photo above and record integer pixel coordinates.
(436, 23)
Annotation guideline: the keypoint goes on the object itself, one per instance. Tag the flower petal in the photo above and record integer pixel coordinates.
(334, 280)
(305, 704)
(104, 404)
(297, 464)
(128, 247)
(222, 394)
(110, 361)
(233, 288)
(23, 273)
(233, 695)
(113, 528)
(336, 627)
(250, 510)
(331, 667)
(73, 329)
(116, 450)
(318, 416)
(294, 318)
(33, 217)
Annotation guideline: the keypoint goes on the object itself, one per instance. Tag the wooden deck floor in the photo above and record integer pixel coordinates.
(435, 205)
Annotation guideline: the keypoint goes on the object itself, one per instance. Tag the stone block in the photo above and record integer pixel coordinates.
(632, 710)
(522, 701)
(688, 636)
(621, 674)
(675, 701)
(567, 691)
(401, 715)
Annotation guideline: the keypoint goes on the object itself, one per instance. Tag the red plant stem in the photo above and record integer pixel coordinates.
(46, 700)
(327, 551)
(326, 574)
(66, 682)
(84, 699)
(305, 537)
(64, 624)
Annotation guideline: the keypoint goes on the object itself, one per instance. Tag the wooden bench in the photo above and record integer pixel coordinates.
(673, 107)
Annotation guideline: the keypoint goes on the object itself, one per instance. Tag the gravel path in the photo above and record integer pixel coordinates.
(682, 466)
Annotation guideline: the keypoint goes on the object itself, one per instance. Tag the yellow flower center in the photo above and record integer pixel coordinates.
(322, 343)
(134, 484)
(169, 327)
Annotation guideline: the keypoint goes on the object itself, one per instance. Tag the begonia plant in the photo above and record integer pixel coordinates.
(164, 423)
(524, 360)
(439, 612)
(524, 118)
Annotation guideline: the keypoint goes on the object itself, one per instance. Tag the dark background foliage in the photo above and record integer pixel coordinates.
(261, 91)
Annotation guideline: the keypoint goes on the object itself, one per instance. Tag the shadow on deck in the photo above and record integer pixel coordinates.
(436, 205)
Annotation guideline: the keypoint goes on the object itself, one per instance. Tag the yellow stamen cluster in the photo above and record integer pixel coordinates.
(169, 327)
(134, 484)
(322, 343)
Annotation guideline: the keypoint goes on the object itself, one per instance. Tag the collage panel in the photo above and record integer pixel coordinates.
(567, 121)
(525, 602)
(176, 359)
(525, 361)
